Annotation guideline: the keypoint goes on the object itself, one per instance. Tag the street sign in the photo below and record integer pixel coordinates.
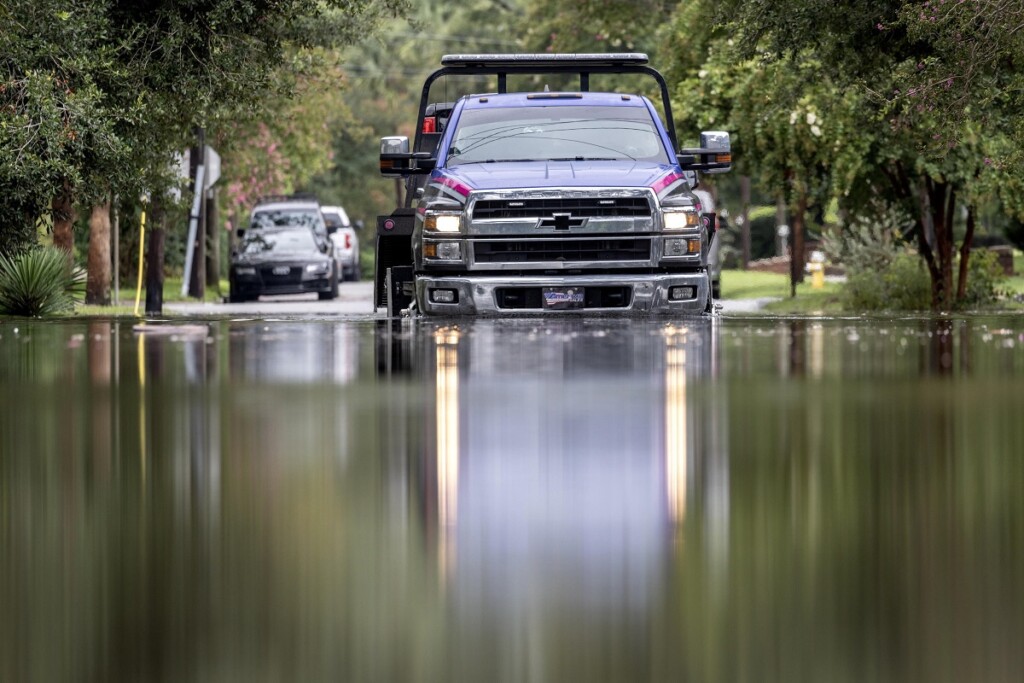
(212, 167)
(181, 165)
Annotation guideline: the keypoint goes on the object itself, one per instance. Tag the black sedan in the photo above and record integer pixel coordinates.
(281, 261)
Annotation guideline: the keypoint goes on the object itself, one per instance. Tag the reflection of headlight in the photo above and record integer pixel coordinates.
(245, 270)
(317, 268)
(438, 221)
(680, 219)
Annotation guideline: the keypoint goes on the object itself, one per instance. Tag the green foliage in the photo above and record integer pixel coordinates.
(762, 232)
(39, 282)
(869, 242)
(985, 278)
(588, 26)
(384, 77)
(1015, 233)
(900, 285)
(96, 96)
(55, 126)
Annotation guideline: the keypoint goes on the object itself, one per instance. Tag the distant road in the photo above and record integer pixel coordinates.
(355, 299)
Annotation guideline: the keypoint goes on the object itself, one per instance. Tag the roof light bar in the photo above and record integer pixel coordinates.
(543, 59)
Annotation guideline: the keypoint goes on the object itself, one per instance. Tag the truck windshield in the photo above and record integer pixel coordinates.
(556, 133)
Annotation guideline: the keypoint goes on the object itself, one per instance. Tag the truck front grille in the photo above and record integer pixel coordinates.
(582, 207)
(539, 250)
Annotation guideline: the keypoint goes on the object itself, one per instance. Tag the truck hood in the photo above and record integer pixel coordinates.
(539, 174)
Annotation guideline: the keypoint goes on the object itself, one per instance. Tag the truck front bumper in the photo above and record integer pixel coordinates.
(664, 293)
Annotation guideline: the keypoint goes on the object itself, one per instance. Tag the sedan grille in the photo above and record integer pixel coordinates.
(583, 207)
(292, 276)
(573, 250)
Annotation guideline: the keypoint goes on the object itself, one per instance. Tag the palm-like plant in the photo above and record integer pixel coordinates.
(39, 282)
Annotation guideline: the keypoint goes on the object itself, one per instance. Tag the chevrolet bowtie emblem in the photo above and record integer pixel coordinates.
(561, 221)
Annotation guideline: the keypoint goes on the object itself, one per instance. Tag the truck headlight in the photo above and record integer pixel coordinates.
(442, 221)
(680, 219)
(682, 246)
(443, 251)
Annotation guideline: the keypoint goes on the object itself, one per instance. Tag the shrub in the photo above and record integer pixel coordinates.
(902, 285)
(984, 275)
(39, 282)
(1015, 232)
(762, 232)
(870, 241)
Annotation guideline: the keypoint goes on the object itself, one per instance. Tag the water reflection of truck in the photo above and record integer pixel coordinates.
(525, 201)
(560, 464)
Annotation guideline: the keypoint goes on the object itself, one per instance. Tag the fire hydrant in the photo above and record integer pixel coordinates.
(816, 266)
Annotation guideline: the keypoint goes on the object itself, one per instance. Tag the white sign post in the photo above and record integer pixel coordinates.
(193, 224)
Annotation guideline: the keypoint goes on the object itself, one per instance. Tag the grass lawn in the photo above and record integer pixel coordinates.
(1015, 283)
(172, 292)
(743, 284)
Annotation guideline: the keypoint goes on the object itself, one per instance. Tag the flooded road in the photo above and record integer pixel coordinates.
(589, 500)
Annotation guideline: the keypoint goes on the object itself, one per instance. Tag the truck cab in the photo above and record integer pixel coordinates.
(526, 202)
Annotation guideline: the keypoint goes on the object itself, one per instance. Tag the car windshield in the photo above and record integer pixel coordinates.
(335, 220)
(562, 133)
(297, 241)
(288, 218)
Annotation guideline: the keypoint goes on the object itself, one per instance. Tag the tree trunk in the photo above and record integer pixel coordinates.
(745, 219)
(797, 256)
(212, 243)
(965, 255)
(943, 202)
(155, 259)
(64, 219)
(923, 223)
(97, 284)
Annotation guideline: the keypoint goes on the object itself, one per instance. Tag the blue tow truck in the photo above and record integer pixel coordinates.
(531, 200)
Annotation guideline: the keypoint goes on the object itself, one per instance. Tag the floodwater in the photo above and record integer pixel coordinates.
(597, 500)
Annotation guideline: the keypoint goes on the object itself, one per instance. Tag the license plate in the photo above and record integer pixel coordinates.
(563, 298)
(281, 270)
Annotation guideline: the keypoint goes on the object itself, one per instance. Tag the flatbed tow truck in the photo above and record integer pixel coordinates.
(536, 201)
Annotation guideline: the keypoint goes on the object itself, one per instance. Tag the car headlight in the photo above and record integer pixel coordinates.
(680, 219)
(317, 268)
(442, 221)
(245, 270)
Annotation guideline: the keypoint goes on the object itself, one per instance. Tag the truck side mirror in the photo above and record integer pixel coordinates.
(396, 161)
(713, 156)
(359, 224)
(394, 156)
(240, 233)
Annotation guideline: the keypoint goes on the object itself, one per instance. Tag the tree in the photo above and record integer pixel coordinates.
(97, 95)
(385, 75)
(926, 87)
(55, 125)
